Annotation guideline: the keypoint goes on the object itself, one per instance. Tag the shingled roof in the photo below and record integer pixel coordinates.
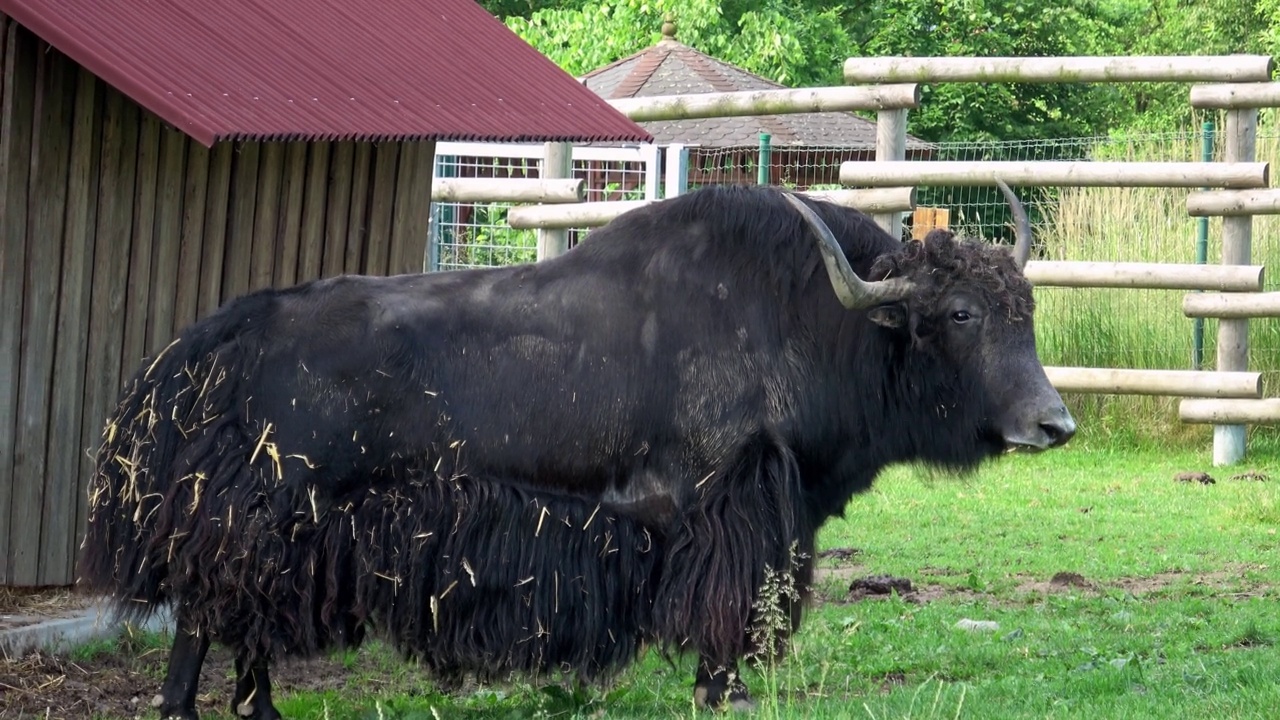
(673, 68)
(325, 69)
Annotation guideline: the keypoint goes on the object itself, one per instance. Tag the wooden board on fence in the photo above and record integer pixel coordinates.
(69, 463)
(15, 166)
(195, 194)
(51, 149)
(243, 201)
(137, 296)
(386, 160)
(213, 253)
(166, 243)
(266, 222)
(290, 218)
(925, 219)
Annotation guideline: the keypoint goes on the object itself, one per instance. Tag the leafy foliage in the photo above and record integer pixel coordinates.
(804, 43)
(1007, 111)
(793, 42)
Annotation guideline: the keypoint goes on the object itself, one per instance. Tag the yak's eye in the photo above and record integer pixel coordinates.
(961, 317)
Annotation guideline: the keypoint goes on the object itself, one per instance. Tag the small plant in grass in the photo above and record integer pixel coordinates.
(771, 628)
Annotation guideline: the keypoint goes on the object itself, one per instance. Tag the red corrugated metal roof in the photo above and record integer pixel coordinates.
(325, 69)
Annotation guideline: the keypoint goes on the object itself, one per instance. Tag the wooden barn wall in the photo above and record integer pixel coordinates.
(117, 231)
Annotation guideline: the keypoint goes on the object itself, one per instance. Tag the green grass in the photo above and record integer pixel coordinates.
(1178, 618)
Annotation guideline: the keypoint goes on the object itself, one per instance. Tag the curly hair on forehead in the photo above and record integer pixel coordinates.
(941, 262)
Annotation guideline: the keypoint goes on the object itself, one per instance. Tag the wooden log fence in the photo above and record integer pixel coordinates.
(595, 214)
(1241, 85)
(1224, 203)
(768, 102)
(1061, 173)
(1145, 276)
(1231, 394)
(1235, 411)
(511, 190)
(1185, 383)
(1234, 306)
(1109, 69)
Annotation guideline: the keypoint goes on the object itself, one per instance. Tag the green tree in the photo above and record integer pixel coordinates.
(1183, 27)
(1007, 111)
(794, 42)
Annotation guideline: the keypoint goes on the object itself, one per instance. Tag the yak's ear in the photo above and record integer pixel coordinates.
(892, 315)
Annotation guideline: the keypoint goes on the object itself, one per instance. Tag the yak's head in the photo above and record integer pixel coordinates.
(967, 305)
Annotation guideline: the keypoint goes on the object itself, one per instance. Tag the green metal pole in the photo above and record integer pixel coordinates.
(1202, 251)
(766, 159)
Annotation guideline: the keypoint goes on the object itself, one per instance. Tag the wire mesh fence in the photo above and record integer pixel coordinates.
(470, 235)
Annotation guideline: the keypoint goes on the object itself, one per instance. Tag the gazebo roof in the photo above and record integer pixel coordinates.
(671, 67)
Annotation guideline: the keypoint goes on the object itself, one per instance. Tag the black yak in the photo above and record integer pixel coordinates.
(721, 371)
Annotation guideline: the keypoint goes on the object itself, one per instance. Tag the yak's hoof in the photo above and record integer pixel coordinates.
(714, 696)
(173, 712)
(257, 711)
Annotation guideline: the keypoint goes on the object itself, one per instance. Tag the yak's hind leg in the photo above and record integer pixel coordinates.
(252, 698)
(177, 698)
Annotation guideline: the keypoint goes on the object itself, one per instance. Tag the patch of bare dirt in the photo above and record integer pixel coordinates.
(834, 581)
(122, 683)
(1194, 477)
(882, 586)
(841, 554)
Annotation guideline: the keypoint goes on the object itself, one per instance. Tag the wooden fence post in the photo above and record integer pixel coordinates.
(1237, 239)
(891, 144)
(557, 163)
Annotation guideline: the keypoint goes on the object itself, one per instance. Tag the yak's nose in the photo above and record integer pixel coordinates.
(1052, 429)
(1058, 427)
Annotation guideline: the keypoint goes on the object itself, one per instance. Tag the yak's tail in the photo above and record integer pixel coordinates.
(733, 563)
(172, 437)
(479, 575)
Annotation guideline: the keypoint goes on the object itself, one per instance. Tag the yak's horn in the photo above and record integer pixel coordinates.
(854, 292)
(1022, 225)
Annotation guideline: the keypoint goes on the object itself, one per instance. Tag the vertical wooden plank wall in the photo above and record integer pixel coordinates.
(117, 231)
(17, 109)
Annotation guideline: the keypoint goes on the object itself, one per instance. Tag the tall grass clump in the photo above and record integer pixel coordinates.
(1144, 329)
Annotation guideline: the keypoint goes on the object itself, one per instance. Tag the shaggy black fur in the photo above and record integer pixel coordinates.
(486, 577)
(942, 262)
(467, 576)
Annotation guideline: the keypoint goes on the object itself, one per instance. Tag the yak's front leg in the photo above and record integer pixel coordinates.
(717, 685)
(252, 698)
(177, 698)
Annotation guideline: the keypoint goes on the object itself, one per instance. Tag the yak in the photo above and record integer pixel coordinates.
(717, 373)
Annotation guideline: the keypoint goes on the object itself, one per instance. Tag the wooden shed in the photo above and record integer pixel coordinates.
(157, 159)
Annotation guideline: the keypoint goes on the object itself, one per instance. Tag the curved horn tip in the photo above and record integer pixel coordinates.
(1022, 224)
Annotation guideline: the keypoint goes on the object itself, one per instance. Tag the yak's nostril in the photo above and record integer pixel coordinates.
(1060, 429)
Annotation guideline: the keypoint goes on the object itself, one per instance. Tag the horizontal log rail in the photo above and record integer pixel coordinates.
(1145, 276)
(1229, 412)
(1059, 173)
(1206, 68)
(768, 102)
(1184, 383)
(595, 214)
(1234, 306)
(1236, 95)
(512, 190)
(1261, 201)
